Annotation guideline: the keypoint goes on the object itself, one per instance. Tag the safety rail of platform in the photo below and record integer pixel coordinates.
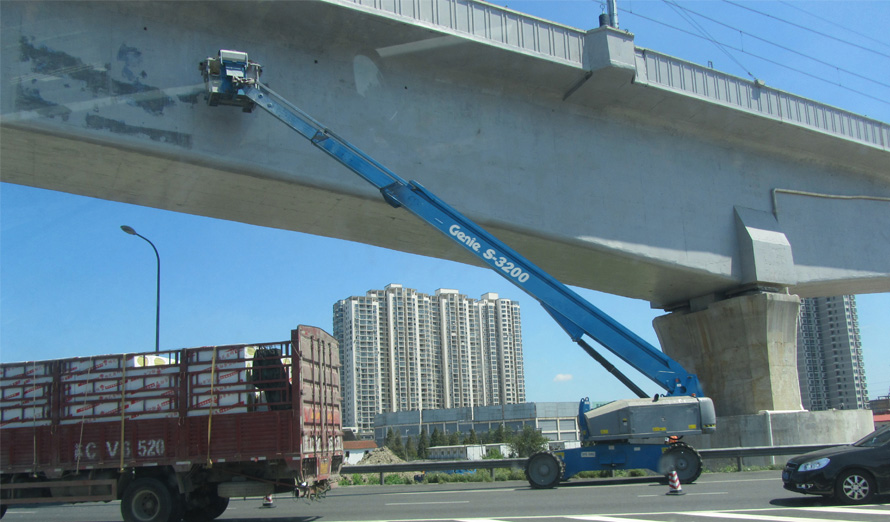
(493, 464)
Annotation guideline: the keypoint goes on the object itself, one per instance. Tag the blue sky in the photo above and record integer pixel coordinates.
(72, 283)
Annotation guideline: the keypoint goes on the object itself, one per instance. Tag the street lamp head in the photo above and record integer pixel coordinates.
(129, 230)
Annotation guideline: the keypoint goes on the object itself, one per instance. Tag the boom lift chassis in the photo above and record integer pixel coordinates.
(639, 433)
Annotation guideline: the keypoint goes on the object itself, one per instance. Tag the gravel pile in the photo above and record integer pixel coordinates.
(385, 456)
(380, 456)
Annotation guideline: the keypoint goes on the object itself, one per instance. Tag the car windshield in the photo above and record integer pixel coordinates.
(877, 438)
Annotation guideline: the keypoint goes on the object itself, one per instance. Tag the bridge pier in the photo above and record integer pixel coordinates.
(743, 349)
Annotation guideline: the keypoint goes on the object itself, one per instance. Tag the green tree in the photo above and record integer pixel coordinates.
(493, 453)
(394, 442)
(499, 435)
(454, 438)
(436, 438)
(399, 449)
(471, 438)
(410, 449)
(423, 445)
(527, 442)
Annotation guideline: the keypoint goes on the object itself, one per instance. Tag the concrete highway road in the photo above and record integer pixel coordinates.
(752, 496)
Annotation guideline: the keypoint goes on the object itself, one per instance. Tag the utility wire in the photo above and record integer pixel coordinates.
(882, 100)
(817, 60)
(805, 28)
(834, 22)
(706, 35)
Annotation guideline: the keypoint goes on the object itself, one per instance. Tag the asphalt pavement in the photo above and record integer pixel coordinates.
(751, 496)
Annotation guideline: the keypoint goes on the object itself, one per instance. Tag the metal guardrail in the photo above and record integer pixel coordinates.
(760, 451)
(435, 465)
(493, 464)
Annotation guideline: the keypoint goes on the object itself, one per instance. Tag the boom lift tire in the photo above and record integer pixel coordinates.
(149, 500)
(683, 459)
(544, 470)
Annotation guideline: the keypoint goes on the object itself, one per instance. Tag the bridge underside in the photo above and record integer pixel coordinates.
(587, 167)
(605, 183)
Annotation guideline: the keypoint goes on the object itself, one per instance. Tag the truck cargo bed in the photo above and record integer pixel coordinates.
(198, 406)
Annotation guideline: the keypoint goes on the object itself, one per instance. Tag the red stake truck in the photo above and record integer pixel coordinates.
(173, 435)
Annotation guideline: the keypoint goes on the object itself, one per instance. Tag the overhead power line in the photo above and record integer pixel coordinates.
(768, 60)
(805, 28)
(705, 34)
(784, 48)
(835, 23)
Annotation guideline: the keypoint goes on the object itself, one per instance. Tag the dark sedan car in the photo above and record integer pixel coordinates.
(854, 474)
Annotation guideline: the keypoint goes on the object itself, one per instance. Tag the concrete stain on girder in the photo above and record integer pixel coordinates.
(192, 98)
(131, 57)
(118, 127)
(29, 99)
(97, 80)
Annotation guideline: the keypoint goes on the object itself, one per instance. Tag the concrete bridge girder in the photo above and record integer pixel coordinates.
(588, 167)
(575, 177)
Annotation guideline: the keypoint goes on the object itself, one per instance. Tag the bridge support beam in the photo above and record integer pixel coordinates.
(743, 349)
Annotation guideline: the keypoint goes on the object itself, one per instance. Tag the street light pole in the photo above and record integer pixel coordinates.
(129, 230)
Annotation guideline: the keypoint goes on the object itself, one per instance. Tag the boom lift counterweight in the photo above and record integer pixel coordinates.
(629, 426)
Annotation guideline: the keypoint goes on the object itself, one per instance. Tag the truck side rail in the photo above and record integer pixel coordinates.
(98, 491)
(177, 407)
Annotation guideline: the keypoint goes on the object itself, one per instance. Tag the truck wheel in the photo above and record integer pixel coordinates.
(543, 470)
(148, 500)
(8, 495)
(855, 487)
(205, 507)
(682, 459)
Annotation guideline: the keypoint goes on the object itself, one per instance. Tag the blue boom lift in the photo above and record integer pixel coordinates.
(639, 433)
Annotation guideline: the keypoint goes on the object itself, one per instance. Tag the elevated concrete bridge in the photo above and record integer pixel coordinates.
(613, 167)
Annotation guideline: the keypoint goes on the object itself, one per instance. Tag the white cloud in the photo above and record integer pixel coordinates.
(562, 377)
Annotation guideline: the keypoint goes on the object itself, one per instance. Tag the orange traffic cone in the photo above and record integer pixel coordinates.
(674, 484)
(267, 502)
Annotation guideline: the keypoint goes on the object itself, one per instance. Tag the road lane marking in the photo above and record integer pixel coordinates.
(601, 518)
(765, 518)
(768, 479)
(853, 510)
(689, 494)
(425, 503)
(450, 492)
(739, 515)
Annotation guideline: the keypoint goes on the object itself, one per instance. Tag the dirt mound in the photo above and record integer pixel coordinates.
(380, 456)
(385, 456)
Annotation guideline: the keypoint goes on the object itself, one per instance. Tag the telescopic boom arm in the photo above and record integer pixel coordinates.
(232, 79)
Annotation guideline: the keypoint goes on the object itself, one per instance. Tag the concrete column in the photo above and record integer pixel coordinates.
(743, 349)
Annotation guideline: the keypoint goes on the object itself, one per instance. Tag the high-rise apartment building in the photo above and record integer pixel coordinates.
(402, 350)
(829, 355)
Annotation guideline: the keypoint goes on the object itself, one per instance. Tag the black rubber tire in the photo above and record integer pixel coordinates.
(682, 459)
(855, 487)
(543, 470)
(8, 494)
(205, 507)
(149, 500)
